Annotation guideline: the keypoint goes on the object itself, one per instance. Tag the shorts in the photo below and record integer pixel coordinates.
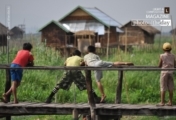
(71, 76)
(16, 74)
(98, 73)
(166, 82)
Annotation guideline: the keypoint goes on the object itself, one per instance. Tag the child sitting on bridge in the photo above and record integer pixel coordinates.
(23, 58)
(71, 76)
(91, 59)
(167, 60)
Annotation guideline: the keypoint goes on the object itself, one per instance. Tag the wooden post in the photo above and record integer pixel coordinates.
(75, 114)
(126, 38)
(90, 95)
(119, 89)
(7, 87)
(107, 51)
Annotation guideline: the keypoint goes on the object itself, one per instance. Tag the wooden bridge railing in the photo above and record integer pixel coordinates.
(92, 104)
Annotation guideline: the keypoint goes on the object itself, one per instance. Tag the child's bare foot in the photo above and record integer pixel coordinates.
(4, 98)
(169, 104)
(15, 102)
(160, 104)
(102, 98)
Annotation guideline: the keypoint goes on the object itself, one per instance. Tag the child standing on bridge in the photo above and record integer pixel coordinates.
(167, 60)
(91, 59)
(23, 58)
(71, 76)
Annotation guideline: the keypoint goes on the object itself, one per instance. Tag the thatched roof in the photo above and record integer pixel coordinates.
(3, 29)
(85, 32)
(149, 29)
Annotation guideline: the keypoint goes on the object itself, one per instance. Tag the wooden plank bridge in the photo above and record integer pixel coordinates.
(96, 111)
(28, 108)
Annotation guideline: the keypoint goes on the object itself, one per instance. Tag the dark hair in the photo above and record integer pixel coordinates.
(77, 52)
(27, 46)
(91, 48)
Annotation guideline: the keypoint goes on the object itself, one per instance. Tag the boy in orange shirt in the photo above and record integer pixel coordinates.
(23, 58)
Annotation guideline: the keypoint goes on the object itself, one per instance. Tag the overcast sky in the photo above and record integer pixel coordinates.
(36, 13)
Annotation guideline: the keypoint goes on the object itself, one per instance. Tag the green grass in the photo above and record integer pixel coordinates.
(139, 87)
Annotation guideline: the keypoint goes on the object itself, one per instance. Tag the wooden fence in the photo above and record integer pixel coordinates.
(93, 114)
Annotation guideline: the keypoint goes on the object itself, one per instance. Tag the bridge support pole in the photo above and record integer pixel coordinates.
(75, 114)
(119, 90)
(90, 95)
(7, 87)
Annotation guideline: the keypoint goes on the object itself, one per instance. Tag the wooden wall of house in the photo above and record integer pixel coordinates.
(113, 37)
(54, 36)
(78, 15)
(149, 38)
(3, 40)
(132, 35)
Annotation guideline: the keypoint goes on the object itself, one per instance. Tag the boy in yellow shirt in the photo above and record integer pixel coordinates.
(71, 76)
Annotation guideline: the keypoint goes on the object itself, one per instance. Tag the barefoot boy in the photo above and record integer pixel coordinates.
(22, 59)
(167, 60)
(91, 59)
(71, 76)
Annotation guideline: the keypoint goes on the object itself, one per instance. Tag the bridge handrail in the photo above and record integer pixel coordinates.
(121, 68)
(87, 69)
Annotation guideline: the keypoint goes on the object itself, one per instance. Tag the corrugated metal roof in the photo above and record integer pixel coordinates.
(56, 23)
(98, 15)
(95, 12)
(77, 25)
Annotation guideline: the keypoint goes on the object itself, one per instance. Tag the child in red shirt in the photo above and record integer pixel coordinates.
(22, 59)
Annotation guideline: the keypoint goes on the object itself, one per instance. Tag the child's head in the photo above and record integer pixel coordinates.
(91, 48)
(27, 46)
(167, 47)
(77, 52)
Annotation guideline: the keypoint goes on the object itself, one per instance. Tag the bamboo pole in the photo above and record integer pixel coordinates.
(160, 38)
(107, 49)
(173, 42)
(126, 34)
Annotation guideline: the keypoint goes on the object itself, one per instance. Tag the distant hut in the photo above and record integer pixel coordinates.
(17, 33)
(137, 35)
(65, 32)
(4, 33)
(54, 34)
(106, 29)
(85, 38)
